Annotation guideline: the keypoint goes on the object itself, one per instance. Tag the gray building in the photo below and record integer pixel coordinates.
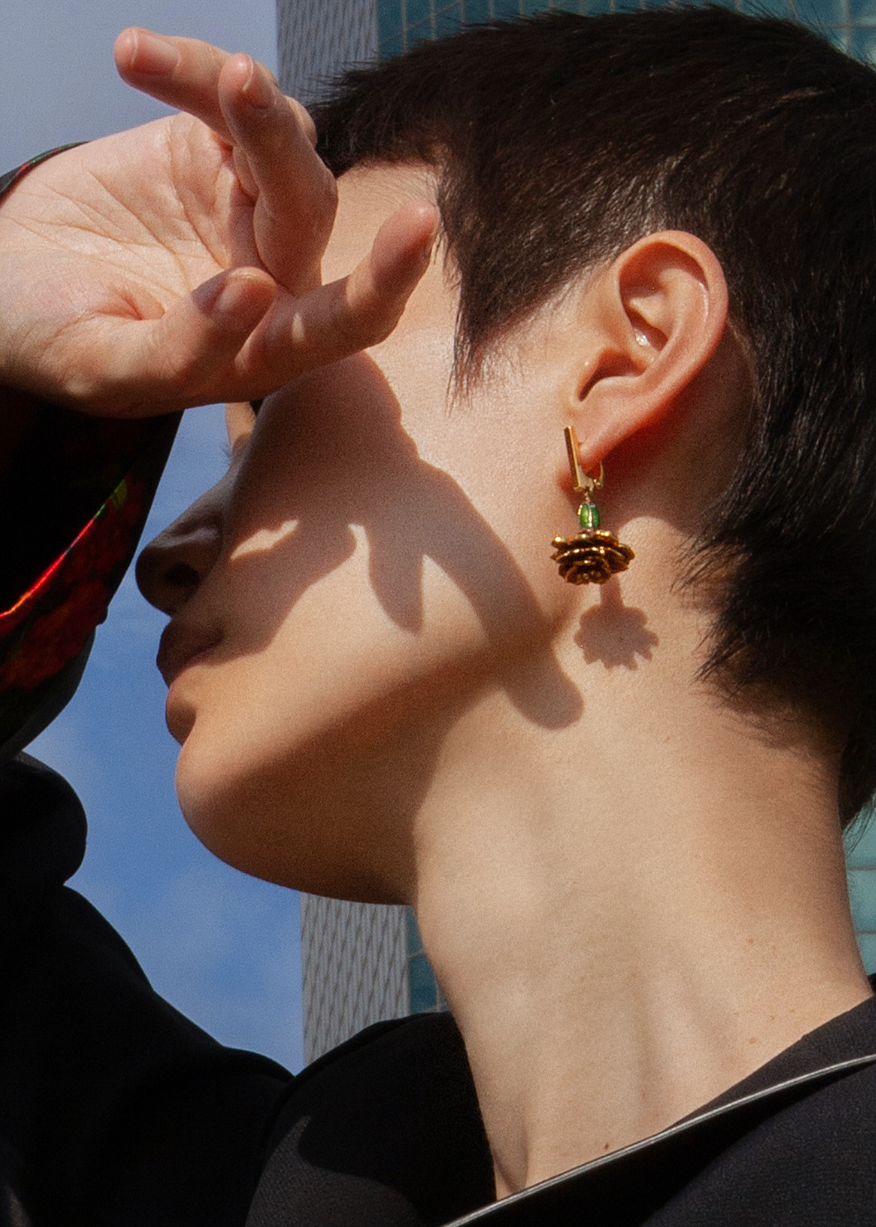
(317, 38)
(363, 963)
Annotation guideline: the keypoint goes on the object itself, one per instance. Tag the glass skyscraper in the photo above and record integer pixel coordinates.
(362, 962)
(317, 37)
(850, 23)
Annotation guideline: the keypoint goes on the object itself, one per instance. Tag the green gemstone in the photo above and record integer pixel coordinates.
(588, 514)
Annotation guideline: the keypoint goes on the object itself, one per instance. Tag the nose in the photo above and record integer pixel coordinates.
(174, 565)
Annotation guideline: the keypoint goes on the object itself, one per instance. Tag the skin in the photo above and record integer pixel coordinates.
(179, 263)
(632, 891)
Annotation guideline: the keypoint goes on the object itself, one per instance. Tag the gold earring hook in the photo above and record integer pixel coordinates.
(593, 555)
(582, 483)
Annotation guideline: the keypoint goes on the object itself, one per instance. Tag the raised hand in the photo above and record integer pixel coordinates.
(178, 263)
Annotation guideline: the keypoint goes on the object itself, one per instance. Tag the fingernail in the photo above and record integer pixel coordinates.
(257, 91)
(153, 55)
(229, 301)
(226, 299)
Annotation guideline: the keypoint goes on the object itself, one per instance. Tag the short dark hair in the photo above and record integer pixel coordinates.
(560, 140)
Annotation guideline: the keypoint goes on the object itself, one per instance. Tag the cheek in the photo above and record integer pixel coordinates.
(286, 739)
(383, 567)
(298, 658)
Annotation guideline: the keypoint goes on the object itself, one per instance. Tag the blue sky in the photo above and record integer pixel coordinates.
(222, 947)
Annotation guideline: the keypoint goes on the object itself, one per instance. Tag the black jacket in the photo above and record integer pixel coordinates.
(114, 1109)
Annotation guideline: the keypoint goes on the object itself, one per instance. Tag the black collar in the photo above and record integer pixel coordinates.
(623, 1188)
(627, 1186)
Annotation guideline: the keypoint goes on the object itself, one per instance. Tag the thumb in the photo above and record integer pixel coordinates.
(153, 366)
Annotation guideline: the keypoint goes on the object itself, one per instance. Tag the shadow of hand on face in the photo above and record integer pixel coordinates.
(613, 633)
(350, 463)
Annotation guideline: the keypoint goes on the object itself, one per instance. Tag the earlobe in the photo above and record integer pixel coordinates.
(661, 310)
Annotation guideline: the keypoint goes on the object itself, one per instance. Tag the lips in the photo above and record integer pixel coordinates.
(180, 645)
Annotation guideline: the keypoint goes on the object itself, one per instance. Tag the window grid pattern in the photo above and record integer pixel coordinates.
(851, 24)
(354, 958)
(316, 39)
(424, 995)
(861, 868)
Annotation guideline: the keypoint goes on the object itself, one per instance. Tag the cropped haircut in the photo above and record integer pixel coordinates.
(560, 140)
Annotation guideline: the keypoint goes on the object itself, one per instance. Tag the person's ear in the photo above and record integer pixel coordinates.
(655, 315)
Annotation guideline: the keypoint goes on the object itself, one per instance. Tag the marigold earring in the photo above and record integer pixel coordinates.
(594, 555)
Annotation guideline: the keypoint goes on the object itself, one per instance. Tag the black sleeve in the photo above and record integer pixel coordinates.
(385, 1131)
(115, 1110)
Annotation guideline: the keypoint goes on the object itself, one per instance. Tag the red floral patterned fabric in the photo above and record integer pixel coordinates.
(49, 625)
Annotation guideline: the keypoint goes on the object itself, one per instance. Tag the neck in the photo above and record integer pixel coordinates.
(629, 915)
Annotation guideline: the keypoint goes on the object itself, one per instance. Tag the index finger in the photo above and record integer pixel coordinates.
(184, 73)
(295, 192)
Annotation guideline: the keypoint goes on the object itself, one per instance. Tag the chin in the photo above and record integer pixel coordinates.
(210, 789)
(274, 822)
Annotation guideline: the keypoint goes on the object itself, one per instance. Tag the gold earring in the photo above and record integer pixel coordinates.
(594, 555)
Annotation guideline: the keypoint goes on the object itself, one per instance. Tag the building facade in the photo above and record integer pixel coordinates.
(319, 37)
(362, 962)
